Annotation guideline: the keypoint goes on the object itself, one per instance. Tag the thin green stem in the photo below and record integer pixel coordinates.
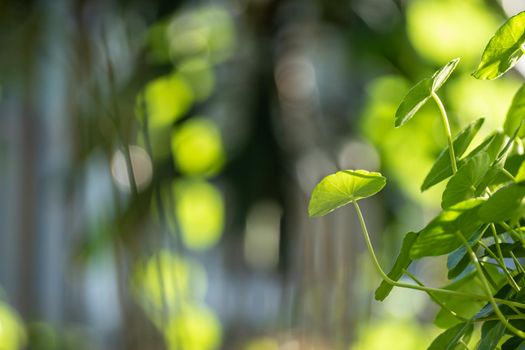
(508, 174)
(517, 263)
(502, 260)
(390, 281)
(486, 286)
(513, 233)
(446, 125)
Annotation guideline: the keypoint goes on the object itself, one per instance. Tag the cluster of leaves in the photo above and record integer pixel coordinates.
(482, 222)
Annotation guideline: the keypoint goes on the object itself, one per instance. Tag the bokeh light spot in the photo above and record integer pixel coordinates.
(140, 163)
(200, 213)
(167, 99)
(197, 147)
(443, 29)
(12, 333)
(166, 280)
(195, 327)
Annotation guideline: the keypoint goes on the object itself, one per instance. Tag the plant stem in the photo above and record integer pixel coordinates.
(446, 125)
(513, 232)
(486, 286)
(502, 260)
(390, 281)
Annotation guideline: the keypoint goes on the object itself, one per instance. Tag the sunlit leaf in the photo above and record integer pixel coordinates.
(504, 49)
(503, 204)
(440, 235)
(402, 262)
(450, 338)
(442, 167)
(516, 114)
(465, 183)
(491, 333)
(343, 187)
(421, 92)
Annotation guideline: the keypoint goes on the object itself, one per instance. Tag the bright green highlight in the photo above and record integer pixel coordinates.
(197, 148)
(167, 99)
(440, 29)
(343, 187)
(200, 213)
(12, 333)
(194, 327)
(165, 280)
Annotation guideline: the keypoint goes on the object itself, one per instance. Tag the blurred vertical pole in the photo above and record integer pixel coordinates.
(52, 161)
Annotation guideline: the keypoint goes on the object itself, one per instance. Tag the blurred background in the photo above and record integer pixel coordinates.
(157, 157)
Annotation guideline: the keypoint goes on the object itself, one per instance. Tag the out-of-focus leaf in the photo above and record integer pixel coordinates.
(442, 167)
(440, 235)
(343, 187)
(402, 262)
(503, 50)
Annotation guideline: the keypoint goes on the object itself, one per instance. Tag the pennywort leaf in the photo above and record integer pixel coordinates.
(503, 50)
(402, 262)
(421, 93)
(343, 187)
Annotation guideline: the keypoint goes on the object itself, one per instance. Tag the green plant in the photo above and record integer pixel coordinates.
(482, 223)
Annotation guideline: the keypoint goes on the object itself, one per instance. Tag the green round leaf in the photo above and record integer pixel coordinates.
(343, 187)
(503, 50)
